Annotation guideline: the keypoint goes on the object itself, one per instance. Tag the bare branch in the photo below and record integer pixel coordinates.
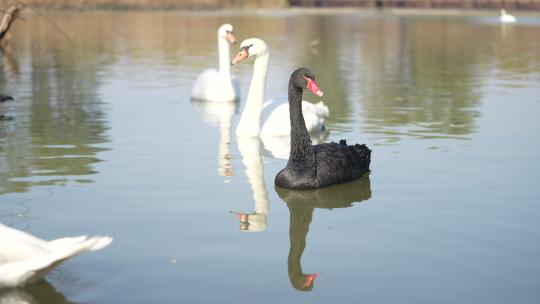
(9, 16)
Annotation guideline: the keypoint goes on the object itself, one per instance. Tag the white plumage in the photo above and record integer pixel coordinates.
(25, 258)
(218, 84)
(507, 18)
(272, 115)
(279, 124)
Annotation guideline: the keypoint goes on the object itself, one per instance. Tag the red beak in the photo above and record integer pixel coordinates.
(313, 87)
(310, 278)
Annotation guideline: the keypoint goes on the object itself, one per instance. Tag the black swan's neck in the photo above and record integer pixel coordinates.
(301, 148)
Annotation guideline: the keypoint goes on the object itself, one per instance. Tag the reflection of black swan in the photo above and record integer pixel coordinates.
(301, 204)
(5, 98)
(311, 167)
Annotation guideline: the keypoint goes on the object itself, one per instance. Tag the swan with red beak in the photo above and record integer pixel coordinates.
(272, 115)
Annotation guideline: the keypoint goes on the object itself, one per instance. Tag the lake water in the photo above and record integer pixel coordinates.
(104, 139)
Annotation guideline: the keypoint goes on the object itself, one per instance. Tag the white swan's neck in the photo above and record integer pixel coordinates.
(224, 58)
(250, 121)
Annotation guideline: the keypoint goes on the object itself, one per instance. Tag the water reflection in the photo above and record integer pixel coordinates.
(302, 204)
(220, 114)
(58, 123)
(421, 77)
(39, 292)
(250, 149)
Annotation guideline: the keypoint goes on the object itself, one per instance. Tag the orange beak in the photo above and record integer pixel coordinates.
(243, 54)
(230, 37)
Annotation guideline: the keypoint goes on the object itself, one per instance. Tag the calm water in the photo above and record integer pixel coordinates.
(104, 139)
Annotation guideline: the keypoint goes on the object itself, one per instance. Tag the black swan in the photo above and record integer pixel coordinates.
(311, 167)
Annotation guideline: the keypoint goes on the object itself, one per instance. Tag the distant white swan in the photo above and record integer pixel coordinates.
(507, 18)
(278, 121)
(25, 258)
(218, 85)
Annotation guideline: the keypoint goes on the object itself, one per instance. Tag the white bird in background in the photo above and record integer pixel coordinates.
(507, 18)
(218, 85)
(25, 259)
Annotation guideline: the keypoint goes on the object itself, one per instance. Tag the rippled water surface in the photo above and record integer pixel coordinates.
(103, 138)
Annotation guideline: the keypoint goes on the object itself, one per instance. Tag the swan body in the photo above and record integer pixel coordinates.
(506, 18)
(218, 85)
(25, 258)
(311, 167)
(277, 122)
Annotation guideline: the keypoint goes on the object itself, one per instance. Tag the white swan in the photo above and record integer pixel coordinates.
(278, 121)
(218, 85)
(506, 18)
(25, 258)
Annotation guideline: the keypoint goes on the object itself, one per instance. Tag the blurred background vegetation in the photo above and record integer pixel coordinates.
(220, 4)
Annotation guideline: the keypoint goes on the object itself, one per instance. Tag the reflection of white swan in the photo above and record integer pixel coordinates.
(506, 18)
(220, 114)
(277, 122)
(25, 258)
(218, 85)
(41, 292)
(250, 148)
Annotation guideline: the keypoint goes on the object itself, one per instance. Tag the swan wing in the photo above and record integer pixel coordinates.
(203, 83)
(277, 120)
(18, 245)
(25, 258)
(211, 86)
(319, 109)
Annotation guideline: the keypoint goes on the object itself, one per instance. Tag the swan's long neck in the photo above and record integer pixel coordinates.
(224, 58)
(301, 148)
(250, 121)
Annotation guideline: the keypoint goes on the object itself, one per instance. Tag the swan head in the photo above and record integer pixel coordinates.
(249, 48)
(303, 78)
(226, 31)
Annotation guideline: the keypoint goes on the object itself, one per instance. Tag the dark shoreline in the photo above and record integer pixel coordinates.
(216, 5)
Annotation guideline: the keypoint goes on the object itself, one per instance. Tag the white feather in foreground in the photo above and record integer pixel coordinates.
(25, 258)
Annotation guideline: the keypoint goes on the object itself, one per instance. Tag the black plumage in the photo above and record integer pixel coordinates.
(311, 167)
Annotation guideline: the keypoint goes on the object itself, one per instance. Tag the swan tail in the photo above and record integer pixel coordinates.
(80, 244)
(361, 153)
(26, 271)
